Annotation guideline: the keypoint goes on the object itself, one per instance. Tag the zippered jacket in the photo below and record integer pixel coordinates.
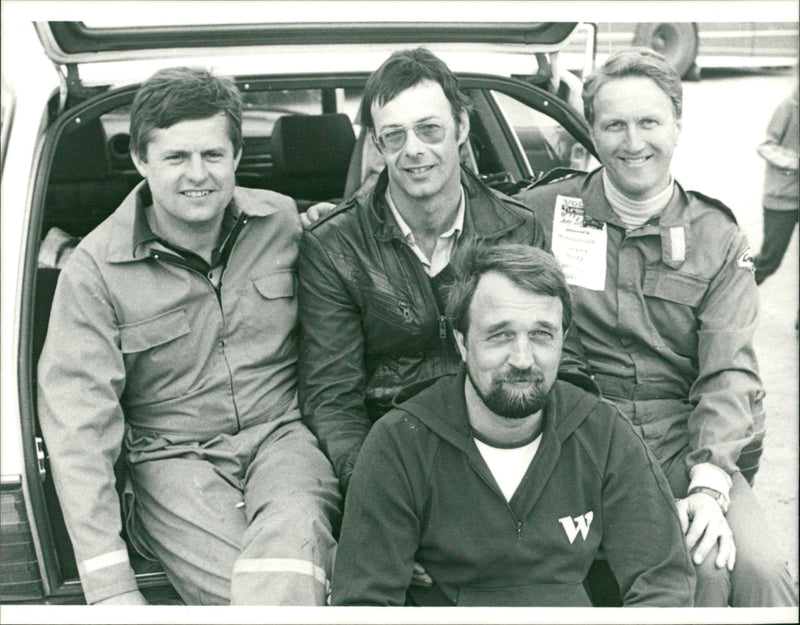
(669, 337)
(371, 323)
(421, 492)
(140, 341)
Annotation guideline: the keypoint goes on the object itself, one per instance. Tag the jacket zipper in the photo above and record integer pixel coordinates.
(179, 262)
(424, 282)
(517, 523)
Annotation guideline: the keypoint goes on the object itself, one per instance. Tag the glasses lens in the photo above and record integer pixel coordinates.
(393, 140)
(429, 132)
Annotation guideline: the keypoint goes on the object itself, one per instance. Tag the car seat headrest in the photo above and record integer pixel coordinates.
(312, 144)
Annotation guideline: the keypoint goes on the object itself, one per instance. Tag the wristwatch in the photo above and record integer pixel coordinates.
(721, 498)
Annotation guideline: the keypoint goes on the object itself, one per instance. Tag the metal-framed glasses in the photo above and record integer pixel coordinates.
(429, 131)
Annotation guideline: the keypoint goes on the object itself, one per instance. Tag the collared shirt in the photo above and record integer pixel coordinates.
(444, 244)
(232, 221)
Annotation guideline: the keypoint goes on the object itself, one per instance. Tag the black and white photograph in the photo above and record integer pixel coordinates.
(400, 311)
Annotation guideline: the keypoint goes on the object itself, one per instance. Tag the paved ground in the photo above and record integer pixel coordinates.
(725, 116)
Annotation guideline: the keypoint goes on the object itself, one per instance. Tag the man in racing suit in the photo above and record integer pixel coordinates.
(665, 307)
(172, 337)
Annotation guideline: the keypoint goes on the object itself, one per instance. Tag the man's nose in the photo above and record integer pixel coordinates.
(196, 168)
(521, 356)
(633, 139)
(413, 145)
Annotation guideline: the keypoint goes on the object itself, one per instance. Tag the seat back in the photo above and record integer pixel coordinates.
(310, 155)
(82, 189)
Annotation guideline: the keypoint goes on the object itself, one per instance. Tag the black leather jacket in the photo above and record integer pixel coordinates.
(370, 323)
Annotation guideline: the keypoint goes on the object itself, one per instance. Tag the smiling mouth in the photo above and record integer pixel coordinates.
(195, 194)
(635, 161)
(419, 170)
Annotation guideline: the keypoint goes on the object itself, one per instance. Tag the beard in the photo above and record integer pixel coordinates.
(513, 402)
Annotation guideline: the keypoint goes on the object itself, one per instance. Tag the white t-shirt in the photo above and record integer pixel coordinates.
(508, 465)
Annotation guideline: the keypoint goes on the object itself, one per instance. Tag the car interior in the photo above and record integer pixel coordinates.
(312, 153)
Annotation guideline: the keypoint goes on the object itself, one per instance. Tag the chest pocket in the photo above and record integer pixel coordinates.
(275, 286)
(672, 286)
(269, 307)
(149, 333)
(155, 350)
(672, 298)
(380, 300)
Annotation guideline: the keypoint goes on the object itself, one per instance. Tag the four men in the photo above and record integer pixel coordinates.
(172, 338)
(502, 482)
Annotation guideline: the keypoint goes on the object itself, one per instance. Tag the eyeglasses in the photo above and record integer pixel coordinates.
(430, 132)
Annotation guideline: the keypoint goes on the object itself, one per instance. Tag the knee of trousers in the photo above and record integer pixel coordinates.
(293, 529)
(708, 574)
(765, 568)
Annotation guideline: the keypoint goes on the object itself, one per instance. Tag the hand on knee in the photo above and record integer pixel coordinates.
(705, 527)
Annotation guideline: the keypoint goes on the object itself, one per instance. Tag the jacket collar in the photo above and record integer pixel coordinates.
(486, 216)
(442, 408)
(131, 237)
(672, 225)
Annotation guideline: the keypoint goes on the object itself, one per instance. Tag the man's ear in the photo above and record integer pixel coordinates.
(461, 343)
(463, 127)
(141, 165)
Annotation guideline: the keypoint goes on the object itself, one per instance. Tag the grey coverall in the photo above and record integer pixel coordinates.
(197, 374)
(668, 336)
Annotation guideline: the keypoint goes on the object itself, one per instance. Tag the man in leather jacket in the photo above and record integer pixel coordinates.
(373, 273)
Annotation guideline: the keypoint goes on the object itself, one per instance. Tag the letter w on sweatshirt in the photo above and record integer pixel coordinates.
(577, 524)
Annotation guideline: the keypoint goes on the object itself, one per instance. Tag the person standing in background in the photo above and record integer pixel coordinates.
(781, 186)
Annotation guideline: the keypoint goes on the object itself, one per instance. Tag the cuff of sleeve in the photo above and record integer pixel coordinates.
(106, 576)
(710, 475)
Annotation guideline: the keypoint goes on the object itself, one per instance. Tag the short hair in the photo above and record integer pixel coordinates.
(530, 268)
(637, 62)
(405, 69)
(177, 94)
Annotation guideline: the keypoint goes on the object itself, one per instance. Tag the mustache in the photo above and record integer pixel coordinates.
(522, 375)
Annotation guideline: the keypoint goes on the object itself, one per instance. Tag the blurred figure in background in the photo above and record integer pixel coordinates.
(781, 186)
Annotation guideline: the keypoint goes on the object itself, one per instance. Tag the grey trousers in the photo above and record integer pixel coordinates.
(245, 519)
(760, 576)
